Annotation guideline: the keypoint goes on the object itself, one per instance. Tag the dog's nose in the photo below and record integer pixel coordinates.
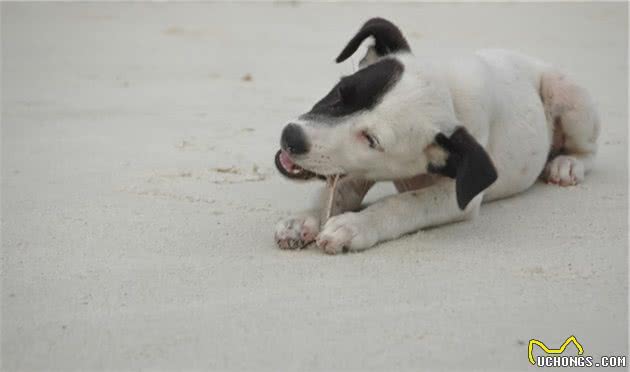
(293, 140)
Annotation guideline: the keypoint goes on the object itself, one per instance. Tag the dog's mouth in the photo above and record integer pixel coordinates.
(289, 169)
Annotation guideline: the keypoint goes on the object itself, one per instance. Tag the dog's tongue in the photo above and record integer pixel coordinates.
(286, 162)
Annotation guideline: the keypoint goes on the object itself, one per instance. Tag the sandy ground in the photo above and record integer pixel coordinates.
(139, 198)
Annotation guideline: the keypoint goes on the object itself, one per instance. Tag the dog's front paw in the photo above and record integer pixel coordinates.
(297, 232)
(564, 170)
(348, 230)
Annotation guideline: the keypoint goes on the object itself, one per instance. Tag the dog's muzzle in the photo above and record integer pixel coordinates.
(293, 143)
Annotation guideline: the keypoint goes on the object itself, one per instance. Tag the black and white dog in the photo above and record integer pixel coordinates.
(449, 134)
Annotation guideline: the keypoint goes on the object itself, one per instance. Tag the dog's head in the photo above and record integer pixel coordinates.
(392, 119)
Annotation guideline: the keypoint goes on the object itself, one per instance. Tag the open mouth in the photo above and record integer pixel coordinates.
(288, 168)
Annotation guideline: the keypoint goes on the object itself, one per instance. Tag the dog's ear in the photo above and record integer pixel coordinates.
(467, 162)
(387, 37)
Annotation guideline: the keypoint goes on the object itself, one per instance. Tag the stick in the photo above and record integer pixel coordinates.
(331, 196)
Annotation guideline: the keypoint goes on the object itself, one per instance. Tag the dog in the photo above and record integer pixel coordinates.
(449, 134)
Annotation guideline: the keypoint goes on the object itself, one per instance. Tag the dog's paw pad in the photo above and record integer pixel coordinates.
(564, 170)
(297, 232)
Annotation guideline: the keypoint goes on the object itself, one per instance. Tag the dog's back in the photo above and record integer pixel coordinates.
(534, 120)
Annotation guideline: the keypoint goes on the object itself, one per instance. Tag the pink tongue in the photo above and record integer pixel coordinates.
(285, 161)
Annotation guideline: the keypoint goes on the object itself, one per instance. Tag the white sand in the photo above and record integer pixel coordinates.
(136, 233)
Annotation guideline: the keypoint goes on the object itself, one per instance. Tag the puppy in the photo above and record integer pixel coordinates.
(449, 134)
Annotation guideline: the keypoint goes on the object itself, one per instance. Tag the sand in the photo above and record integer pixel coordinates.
(139, 198)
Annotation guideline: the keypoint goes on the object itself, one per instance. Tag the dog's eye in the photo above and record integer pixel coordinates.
(371, 140)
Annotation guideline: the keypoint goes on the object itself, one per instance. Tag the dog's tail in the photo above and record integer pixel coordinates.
(388, 39)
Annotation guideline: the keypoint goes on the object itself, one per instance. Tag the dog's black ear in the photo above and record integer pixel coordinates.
(387, 37)
(468, 163)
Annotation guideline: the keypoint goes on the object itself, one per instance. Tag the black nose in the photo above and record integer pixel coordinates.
(293, 140)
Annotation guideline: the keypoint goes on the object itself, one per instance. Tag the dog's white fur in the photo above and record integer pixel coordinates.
(518, 108)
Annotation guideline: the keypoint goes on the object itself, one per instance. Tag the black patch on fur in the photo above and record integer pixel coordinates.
(388, 39)
(359, 91)
(468, 163)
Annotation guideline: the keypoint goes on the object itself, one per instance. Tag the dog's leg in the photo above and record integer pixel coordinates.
(297, 232)
(394, 216)
(575, 129)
